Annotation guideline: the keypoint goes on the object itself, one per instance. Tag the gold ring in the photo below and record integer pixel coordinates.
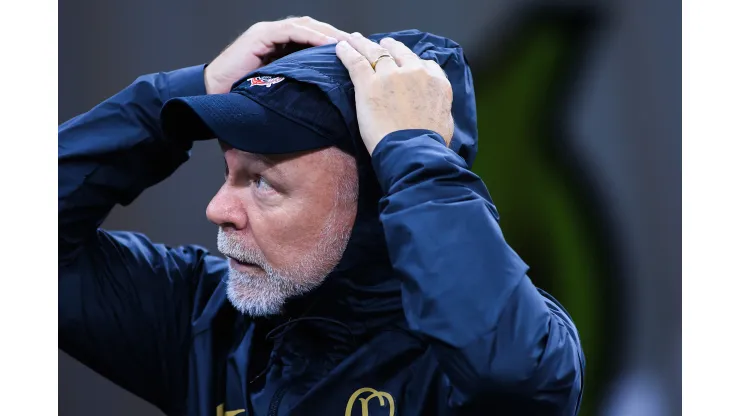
(375, 62)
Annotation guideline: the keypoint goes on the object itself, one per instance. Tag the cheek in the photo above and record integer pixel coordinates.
(288, 232)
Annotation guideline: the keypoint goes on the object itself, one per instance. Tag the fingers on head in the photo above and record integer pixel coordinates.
(356, 63)
(298, 33)
(400, 52)
(320, 27)
(434, 68)
(369, 49)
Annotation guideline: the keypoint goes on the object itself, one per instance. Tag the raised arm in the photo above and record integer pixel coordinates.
(497, 337)
(125, 303)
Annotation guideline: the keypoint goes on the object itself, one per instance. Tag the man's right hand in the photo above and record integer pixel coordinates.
(262, 43)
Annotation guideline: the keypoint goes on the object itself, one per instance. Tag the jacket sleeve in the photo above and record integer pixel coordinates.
(497, 337)
(125, 302)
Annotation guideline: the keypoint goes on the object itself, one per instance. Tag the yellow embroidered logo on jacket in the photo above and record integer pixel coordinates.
(220, 411)
(381, 395)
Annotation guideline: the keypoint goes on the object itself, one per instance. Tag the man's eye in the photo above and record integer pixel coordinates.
(263, 184)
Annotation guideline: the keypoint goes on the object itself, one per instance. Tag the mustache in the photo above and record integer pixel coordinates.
(229, 246)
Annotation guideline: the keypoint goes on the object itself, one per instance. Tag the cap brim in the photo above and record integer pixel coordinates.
(238, 121)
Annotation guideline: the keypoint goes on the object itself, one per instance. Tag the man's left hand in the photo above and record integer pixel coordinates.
(401, 92)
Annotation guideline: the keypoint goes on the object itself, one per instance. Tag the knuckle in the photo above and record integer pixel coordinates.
(409, 56)
(287, 25)
(387, 43)
(418, 71)
(258, 26)
(358, 61)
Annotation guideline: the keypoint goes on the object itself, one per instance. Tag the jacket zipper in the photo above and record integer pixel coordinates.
(277, 398)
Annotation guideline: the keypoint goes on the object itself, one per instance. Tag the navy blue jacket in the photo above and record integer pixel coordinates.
(429, 312)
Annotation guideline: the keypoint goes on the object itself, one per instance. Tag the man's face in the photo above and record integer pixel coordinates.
(284, 222)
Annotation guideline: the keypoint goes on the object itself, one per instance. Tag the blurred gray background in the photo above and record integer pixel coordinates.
(610, 126)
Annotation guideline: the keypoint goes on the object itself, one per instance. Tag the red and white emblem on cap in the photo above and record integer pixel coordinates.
(264, 81)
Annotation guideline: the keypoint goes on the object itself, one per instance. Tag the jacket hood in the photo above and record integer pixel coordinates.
(363, 292)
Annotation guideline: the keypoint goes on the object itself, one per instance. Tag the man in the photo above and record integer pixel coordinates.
(366, 271)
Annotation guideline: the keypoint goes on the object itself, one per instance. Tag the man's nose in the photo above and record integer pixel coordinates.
(226, 209)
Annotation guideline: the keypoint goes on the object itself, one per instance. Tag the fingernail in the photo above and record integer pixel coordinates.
(357, 34)
(384, 40)
(330, 40)
(342, 44)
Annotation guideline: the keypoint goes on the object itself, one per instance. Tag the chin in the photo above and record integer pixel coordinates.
(262, 295)
(251, 306)
(251, 299)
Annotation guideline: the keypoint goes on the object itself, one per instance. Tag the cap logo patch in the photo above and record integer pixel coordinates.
(264, 81)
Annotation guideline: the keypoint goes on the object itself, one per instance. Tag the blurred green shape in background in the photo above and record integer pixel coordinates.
(549, 213)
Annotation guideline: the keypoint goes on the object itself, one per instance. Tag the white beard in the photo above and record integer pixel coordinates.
(265, 294)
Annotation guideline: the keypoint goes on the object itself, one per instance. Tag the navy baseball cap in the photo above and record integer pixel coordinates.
(306, 100)
(267, 114)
